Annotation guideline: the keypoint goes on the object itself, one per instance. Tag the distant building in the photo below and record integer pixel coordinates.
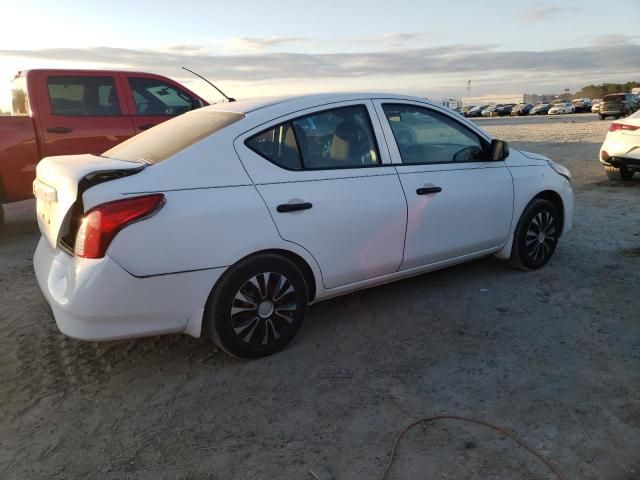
(545, 98)
(452, 102)
(491, 99)
(513, 98)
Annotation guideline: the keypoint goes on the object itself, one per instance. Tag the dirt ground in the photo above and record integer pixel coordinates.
(552, 355)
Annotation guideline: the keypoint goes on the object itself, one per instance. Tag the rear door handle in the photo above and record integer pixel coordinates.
(60, 130)
(293, 207)
(146, 126)
(428, 190)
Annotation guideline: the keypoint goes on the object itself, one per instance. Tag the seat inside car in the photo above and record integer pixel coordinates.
(349, 144)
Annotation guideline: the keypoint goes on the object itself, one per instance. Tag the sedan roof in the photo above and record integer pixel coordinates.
(301, 102)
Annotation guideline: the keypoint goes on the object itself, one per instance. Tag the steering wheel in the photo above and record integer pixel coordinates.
(472, 152)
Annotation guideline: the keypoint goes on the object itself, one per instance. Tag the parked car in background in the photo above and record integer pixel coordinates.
(503, 110)
(521, 109)
(464, 110)
(561, 108)
(475, 111)
(540, 109)
(618, 105)
(63, 112)
(276, 204)
(488, 112)
(595, 106)
(620, 152)
(582, 105)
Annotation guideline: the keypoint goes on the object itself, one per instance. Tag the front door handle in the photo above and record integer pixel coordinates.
(146, 126)
(60, 130)
(428, 190)
(293, 207)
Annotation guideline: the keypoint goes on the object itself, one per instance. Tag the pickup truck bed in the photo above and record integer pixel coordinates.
(19, 155)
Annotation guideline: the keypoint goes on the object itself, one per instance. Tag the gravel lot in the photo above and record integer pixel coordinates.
(552, 355)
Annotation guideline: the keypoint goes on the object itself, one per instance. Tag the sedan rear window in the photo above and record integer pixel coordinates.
(170, 137)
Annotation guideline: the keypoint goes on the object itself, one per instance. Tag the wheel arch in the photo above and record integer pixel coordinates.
(555, 198)
(302, 264)
(298, 260)
(549, 195)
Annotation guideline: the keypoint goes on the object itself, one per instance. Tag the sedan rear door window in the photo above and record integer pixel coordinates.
(278, 145)
(337, 138)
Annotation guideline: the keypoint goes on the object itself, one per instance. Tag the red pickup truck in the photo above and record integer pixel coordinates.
(63, 112)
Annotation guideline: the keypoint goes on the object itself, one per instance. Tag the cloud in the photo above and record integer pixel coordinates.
(186, 48)
(396, 39)
(542, 12)
(469, 60)
(263, 43)
(612, 40)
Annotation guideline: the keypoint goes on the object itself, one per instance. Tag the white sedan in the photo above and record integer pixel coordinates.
(620, 152)
(562, 108)
(230, 220)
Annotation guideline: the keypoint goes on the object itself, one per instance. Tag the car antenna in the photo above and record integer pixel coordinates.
(229, 99)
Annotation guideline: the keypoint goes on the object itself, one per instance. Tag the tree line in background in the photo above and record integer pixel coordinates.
(599, 91)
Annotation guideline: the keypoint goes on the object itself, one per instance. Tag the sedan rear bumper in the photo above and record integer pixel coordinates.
(96, 299)
(631, 163)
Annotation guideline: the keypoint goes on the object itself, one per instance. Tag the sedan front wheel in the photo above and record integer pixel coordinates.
(536, 235)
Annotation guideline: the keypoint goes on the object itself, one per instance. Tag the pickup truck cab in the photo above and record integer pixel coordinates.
(66, 112)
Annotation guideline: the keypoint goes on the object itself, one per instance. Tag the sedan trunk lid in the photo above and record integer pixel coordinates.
(60, 181)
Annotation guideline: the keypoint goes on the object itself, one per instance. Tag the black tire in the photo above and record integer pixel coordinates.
(260, 280)
(620, 174)
(536, 235)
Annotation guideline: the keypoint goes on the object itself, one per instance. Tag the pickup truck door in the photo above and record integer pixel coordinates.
(153, 100)
(82, 114)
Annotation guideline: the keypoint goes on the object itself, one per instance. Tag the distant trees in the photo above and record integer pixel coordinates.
(599, 91)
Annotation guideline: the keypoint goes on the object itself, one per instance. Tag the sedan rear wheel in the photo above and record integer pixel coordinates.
(257, 307)
(536, 235)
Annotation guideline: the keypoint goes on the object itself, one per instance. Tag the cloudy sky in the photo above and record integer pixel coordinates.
(251, 47)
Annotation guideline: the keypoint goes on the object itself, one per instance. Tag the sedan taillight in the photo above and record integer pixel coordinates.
(614, 127)
(101, 224)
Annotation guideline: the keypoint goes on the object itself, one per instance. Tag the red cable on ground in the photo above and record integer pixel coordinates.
(538, 455)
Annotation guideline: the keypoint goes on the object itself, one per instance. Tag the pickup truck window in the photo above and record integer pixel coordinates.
(170, 137)
(83, 96)
(19, 97)
(155, 97)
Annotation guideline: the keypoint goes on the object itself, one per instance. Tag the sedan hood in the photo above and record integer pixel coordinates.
(534, 156)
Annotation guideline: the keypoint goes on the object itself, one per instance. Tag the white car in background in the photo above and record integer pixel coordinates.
(620, 152)
(229, 220)
(562, 108)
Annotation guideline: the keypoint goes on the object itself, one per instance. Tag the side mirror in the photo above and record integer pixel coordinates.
(499, 150)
